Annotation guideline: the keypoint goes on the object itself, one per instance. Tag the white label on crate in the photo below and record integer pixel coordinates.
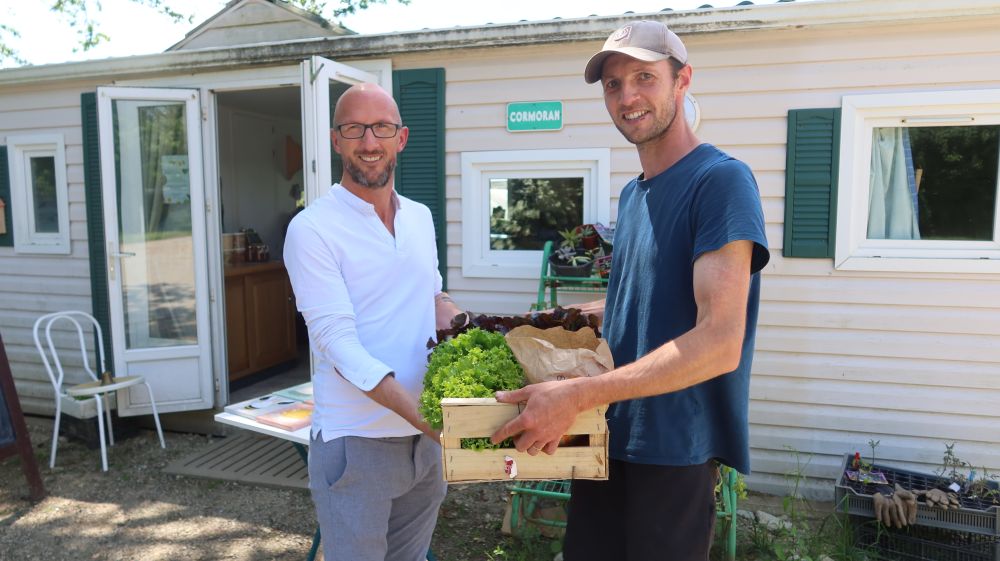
(510, 467)
(955, 487)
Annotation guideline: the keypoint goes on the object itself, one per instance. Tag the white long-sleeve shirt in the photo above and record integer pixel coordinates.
(368, 301)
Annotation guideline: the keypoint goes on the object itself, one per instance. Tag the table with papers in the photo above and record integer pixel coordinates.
(299, 437)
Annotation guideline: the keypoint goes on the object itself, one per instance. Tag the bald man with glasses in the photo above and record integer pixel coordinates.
(363, 265)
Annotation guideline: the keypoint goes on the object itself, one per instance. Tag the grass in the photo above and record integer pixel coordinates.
(531, 547)
(807, 536)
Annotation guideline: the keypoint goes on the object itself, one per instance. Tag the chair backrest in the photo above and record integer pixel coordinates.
(74, 317)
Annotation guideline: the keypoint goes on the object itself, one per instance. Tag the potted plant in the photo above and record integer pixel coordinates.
(571, 262)
(602, 265)
(570, 238)
(588, 237)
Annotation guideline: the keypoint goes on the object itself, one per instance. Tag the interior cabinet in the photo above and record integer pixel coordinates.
(260, 317)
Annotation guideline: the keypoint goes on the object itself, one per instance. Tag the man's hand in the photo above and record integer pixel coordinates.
(427, 429)
(389, 393)
(549, 410)
(445, 310)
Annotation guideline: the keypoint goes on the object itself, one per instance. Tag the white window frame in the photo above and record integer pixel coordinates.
(478, 260)
(20, 150)
(860, 115)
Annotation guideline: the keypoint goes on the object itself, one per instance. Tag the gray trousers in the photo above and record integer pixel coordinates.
(376, 499)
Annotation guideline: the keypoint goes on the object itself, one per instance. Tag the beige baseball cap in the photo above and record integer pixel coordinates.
(649, 41)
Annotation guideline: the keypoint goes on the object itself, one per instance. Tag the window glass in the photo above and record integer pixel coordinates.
(934, 183)
(43, 194)
(527, 212)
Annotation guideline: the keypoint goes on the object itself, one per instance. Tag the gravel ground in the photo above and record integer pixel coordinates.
(137, 512)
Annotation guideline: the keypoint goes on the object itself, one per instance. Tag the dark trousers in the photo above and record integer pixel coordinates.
(643, 513)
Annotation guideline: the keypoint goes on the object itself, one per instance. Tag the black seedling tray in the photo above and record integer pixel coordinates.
(922, 543)
(976, 515)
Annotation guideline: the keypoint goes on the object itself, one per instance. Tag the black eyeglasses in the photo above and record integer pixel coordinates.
(357, 130)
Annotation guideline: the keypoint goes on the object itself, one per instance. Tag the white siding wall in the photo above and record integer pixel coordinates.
(479, 86)
(35, 284)
(911, 360)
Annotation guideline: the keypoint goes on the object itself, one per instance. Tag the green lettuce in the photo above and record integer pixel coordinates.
(475, 363)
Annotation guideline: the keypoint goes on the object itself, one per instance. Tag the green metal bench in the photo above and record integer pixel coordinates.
(549, 285)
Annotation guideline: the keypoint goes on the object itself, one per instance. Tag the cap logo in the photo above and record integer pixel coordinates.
(622, 33)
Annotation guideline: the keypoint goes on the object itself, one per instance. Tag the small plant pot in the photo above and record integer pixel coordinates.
(561, 269)
(603, 266)
(591, 242)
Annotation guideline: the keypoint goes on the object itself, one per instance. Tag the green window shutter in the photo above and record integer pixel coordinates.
(420, 173)
(811, 169)
(6, 240)
(95, 219)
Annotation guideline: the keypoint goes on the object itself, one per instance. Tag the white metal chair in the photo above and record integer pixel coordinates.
(93, 389)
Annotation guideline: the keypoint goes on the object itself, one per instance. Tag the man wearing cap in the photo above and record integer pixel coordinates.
(680, 317)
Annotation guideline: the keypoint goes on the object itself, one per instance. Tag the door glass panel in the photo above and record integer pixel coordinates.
(337, 89)
(154, 216)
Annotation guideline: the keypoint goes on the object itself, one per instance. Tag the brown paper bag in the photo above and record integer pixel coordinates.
(557, 354)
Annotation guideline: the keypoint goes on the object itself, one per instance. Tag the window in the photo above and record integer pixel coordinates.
(919, 182)
(38, 193)
(514, 201)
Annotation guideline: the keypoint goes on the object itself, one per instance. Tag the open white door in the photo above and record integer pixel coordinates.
(322, 83)
(154, 225)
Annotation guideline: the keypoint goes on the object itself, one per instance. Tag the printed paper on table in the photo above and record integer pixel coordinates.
(292, 418)
(254, 408)
(301, 392)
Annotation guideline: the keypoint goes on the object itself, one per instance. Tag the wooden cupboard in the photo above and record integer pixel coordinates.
(260, 317)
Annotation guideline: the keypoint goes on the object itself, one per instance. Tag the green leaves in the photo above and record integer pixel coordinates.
(344, 7)
(475, 363)
(84, 17)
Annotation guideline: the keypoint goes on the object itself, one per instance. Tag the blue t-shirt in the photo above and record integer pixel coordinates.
(699, 204)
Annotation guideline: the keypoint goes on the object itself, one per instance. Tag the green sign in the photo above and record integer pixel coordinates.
(534, 116)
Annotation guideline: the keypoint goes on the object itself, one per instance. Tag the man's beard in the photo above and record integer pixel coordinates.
(379, 181)
(656, 133)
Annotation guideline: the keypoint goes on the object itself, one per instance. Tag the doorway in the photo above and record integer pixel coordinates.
(253, 123)
(259, 135)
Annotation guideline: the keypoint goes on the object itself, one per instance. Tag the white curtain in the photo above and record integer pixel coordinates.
(892, 208)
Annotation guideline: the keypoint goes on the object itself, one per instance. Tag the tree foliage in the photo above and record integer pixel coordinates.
(537, 209)
(957, 194)
(84, 17)
(344, 7)
(6, 52)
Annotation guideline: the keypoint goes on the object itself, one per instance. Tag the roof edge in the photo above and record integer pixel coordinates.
(304, 15)
(788, 15)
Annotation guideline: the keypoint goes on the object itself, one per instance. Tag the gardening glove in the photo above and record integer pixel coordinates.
(939, 498)
(907, 501)
(887, 511)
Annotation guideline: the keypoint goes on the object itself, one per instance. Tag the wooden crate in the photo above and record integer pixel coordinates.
(481, 417)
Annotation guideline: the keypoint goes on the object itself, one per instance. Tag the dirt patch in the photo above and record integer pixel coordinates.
(135, 511)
